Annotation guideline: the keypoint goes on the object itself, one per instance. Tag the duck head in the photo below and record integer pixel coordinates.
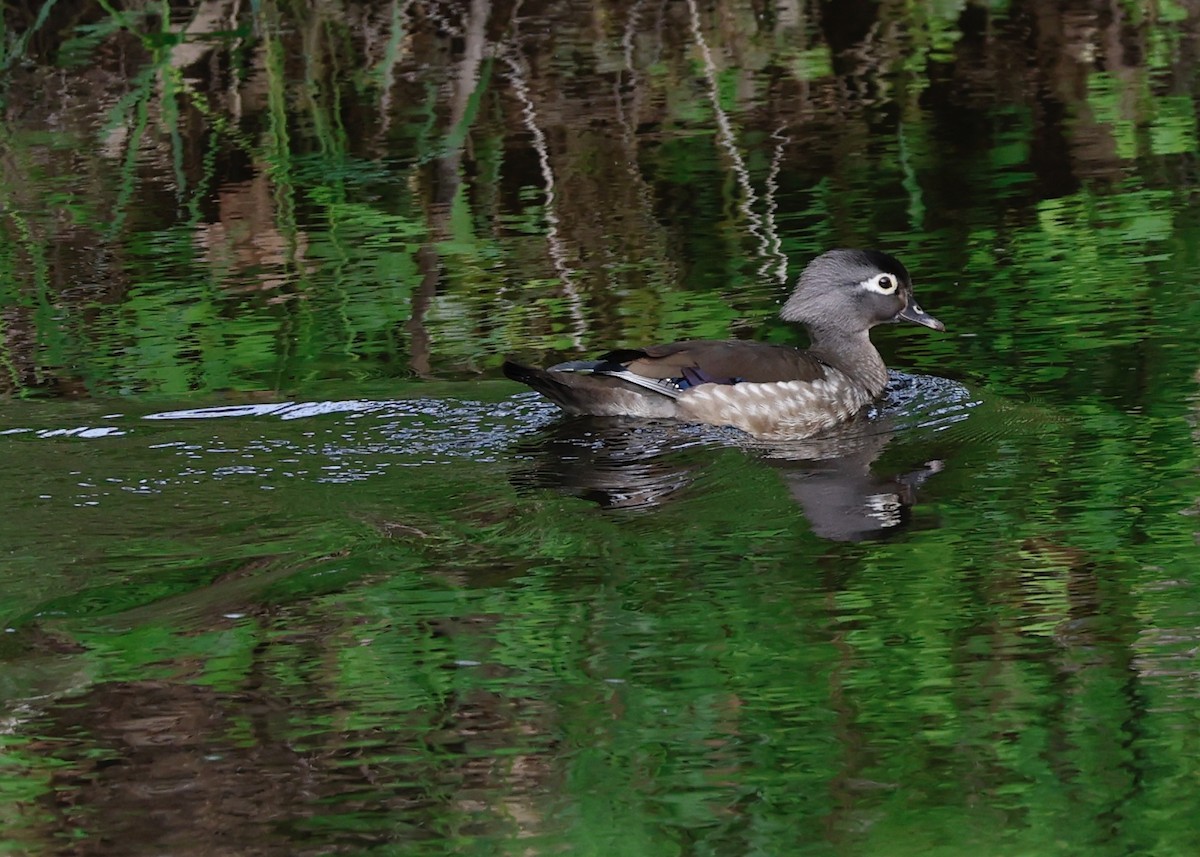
(850, 291)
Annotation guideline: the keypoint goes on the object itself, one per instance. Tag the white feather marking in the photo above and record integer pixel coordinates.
(658, 385)
(884, 284)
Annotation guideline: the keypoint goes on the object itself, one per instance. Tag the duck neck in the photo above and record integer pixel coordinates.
(852, 354)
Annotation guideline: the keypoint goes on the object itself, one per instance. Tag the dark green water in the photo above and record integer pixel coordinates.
(286, 567)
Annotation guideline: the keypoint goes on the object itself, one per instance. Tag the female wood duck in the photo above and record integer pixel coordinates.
(771, 391)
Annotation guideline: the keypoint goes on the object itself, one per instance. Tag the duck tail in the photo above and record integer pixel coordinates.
(562, 389)
(578, 389)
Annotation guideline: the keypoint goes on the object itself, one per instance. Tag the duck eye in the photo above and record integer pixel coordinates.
(882, 283)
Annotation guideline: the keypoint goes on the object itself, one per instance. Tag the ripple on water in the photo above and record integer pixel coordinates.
(356, 439)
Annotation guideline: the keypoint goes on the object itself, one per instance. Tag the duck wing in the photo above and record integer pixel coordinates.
(672, 369)
(647, 381)
(689, 364)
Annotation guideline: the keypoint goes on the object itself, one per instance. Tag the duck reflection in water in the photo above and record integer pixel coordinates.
(627, 463)
(844, 499)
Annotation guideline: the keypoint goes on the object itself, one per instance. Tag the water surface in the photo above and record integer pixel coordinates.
(289, 568)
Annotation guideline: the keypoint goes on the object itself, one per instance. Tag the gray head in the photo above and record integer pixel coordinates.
(851, 291)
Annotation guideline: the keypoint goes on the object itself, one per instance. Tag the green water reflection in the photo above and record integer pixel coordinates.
(287, 569)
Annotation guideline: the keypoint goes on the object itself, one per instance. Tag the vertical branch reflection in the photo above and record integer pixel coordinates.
(449, 177)
(557, 247)
(392, 54)
(278, 149)
(628, 101)
(771, 191)
(764, 235)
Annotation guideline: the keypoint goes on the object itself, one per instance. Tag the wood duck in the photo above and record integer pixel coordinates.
(770, 391)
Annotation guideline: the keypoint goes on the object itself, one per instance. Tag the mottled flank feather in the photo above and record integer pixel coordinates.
(782, 409)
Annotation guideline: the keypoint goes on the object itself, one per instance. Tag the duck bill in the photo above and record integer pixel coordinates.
(914, 314)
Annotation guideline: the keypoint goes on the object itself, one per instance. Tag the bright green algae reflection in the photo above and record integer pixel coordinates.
(286, 569)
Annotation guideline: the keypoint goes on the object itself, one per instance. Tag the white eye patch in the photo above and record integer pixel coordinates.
(884, 284)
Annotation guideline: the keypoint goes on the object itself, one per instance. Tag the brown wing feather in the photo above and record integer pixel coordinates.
(744, 361)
